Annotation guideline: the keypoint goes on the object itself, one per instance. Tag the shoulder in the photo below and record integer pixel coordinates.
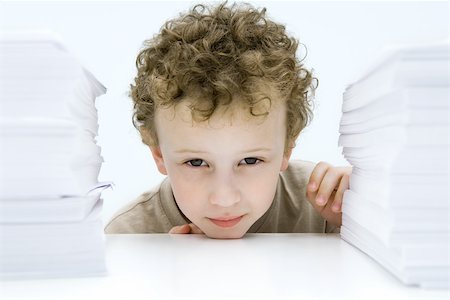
(143, 215)
(298, 171)
(294, 179)
(298, 214)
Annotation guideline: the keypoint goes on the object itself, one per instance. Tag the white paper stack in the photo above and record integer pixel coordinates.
(395, 132)
(50, 197)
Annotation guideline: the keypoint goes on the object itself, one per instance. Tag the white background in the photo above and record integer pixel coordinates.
(342, 39)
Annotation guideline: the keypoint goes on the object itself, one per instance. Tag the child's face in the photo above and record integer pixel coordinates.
(223, 169)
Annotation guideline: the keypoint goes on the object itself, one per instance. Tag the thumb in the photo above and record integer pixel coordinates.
(195, 229)
(181, 229)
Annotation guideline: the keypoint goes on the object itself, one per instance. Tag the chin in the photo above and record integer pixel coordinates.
(225, 234)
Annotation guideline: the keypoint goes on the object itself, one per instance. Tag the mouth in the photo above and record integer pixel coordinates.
(226, 222)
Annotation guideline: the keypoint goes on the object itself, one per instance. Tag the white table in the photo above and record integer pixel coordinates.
(259, 266)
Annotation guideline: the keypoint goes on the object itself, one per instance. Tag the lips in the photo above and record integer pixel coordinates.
(226, 222)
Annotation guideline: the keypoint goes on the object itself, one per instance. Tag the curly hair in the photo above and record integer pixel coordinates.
(214, 53)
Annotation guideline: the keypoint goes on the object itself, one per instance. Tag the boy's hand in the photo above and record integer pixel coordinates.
(326, 188)
(186, 228)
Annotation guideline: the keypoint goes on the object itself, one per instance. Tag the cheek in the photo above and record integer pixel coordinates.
(261, 188)
(188, 191)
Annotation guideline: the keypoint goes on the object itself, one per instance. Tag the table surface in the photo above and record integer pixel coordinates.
(258, 266)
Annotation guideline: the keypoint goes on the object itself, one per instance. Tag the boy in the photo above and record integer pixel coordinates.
(220, 99)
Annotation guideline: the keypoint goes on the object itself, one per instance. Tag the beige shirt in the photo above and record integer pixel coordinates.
(157, 212)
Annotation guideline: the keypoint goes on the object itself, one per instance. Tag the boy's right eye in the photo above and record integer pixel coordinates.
(196, 162)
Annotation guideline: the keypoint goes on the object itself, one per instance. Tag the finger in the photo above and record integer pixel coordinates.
(195, 229)
(181, 229)
(175, 230)
(316, 176)
(328, 185)
(343, 185)
(328, 214)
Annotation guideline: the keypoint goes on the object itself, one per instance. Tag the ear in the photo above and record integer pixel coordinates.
(159, 160)
(285, 161)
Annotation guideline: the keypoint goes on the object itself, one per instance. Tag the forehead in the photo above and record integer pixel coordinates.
(266, 98)
(228, 127)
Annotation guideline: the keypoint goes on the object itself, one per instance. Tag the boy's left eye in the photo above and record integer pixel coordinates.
(250, 160)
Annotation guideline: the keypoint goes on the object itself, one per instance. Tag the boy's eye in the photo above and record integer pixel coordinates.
(196, 162)
(250, 160)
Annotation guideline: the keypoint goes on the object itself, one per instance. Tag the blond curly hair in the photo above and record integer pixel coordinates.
(212, 53)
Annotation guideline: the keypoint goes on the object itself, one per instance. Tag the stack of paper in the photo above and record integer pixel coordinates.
(50, 199)
(395, 132)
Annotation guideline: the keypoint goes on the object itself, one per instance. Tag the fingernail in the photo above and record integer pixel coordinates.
(312, 186)
(320, 200)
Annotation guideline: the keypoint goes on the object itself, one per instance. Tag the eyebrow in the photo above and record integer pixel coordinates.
(262, 149)
(189, 151)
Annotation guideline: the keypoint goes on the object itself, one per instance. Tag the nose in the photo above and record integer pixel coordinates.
(224, 192)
